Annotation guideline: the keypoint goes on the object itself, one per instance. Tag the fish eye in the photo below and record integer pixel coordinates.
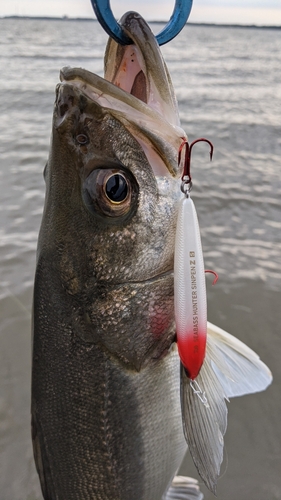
(116, 188)
(110, 191)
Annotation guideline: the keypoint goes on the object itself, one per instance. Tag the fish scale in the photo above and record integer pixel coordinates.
(103, 399)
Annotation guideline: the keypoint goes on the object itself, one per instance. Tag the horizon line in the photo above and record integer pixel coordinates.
(67, 18)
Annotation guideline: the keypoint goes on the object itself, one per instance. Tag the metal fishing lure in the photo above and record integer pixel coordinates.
(189, 277)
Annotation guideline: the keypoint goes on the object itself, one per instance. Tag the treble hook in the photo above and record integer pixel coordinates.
(110, 25)
(186, 176)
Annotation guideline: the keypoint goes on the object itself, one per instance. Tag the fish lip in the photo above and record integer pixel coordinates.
(159, 276)
(152, 279)
(82, 79)
(88, 82)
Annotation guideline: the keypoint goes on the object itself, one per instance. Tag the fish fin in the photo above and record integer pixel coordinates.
(204, 421)
(183, 488)
(238, 368)
(230, 369)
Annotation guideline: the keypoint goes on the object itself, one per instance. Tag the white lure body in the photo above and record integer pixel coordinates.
(190, 290)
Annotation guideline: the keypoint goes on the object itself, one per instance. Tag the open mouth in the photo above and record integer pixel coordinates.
(137, 90)
(140, 70)
(129, 75)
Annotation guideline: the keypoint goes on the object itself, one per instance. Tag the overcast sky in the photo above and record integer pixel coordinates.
(260, 12)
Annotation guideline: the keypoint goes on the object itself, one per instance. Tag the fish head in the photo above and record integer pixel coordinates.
(113, 187)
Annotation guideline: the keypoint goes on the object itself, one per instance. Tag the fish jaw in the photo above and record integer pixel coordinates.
(140, 68)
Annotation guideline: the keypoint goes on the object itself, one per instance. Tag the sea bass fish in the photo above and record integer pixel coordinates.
(107, 401)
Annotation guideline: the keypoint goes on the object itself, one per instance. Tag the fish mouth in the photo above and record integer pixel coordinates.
(137, 90)
(151, 279)
(139, 68)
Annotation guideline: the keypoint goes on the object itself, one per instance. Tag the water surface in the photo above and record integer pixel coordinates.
(227, 82)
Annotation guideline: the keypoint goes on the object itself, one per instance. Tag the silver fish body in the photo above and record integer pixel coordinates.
(106, 415)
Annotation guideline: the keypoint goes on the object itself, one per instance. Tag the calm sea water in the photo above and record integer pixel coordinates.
(227, 81)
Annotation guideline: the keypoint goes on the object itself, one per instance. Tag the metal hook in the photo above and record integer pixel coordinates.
(186, 176)
(110, 25)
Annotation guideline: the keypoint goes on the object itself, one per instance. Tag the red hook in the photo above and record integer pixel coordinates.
(186, 176)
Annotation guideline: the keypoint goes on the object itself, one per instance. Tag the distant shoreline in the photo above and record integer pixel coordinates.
(211, 25)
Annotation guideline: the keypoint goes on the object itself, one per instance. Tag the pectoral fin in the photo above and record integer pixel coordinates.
(238, 368)
(230, 369)
(184, 488)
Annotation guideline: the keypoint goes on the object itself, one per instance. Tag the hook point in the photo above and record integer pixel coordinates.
(216, 276)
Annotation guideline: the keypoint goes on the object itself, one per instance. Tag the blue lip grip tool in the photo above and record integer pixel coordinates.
(110, 25)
